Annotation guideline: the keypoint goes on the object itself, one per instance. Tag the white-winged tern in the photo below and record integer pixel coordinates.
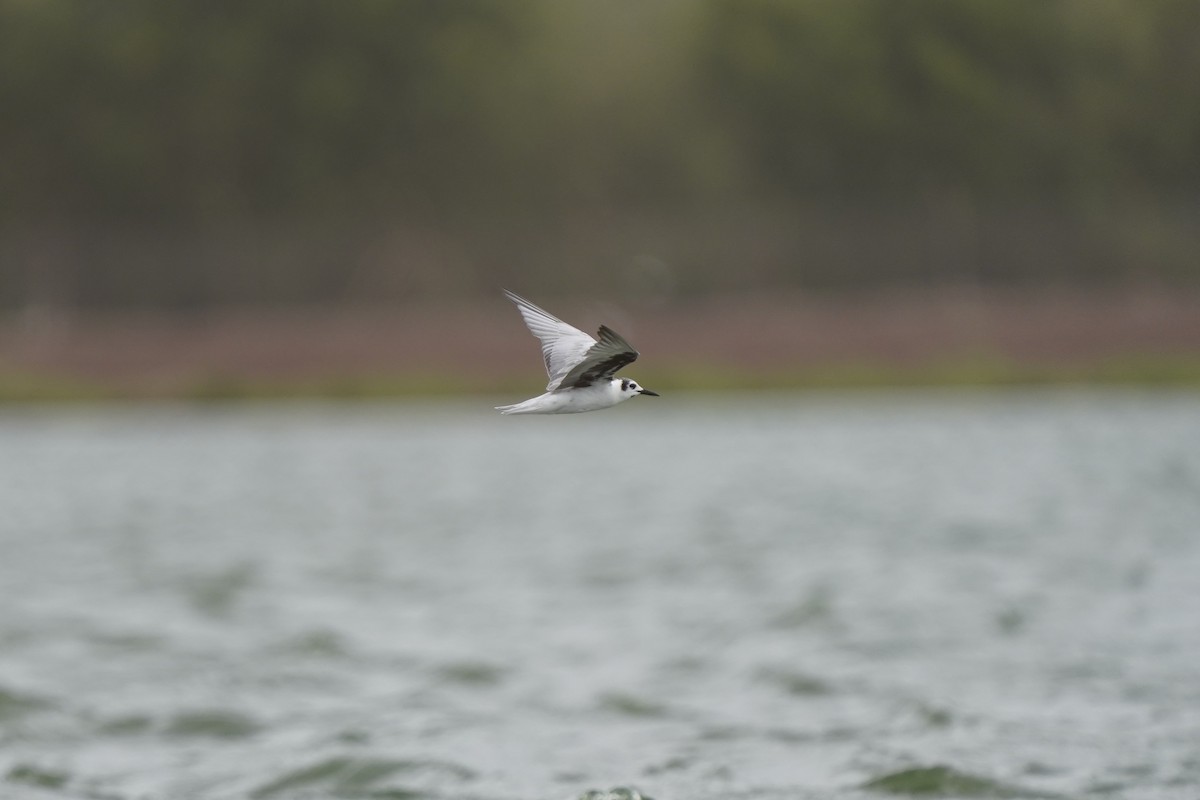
(582, 370)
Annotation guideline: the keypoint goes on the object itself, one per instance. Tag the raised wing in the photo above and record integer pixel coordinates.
(563, 346)
(602, 361)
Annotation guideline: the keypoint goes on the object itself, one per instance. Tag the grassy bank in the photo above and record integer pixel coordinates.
(1142, 372)
(938, 337)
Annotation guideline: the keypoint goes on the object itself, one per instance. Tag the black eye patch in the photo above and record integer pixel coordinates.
(624, 386)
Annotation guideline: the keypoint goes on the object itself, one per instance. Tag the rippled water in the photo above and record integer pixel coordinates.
(783, 597)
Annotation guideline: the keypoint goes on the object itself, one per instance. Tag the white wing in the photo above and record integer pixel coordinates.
(572, 357)
(563, 346)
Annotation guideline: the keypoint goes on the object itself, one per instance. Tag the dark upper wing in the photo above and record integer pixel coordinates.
(602, 360)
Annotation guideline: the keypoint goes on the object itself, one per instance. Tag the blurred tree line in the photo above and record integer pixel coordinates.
(195, 153)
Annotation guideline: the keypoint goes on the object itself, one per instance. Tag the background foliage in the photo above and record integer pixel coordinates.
(201, 153)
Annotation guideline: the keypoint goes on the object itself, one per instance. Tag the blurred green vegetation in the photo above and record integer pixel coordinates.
(196, 153)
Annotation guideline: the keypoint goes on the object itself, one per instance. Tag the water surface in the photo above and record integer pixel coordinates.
(818, 596)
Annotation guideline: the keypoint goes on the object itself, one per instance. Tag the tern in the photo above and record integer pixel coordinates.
(582, 370)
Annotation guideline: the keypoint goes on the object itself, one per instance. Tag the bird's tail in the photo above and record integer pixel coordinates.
(516, 408)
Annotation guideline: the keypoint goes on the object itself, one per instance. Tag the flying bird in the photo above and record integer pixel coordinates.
(582, 370)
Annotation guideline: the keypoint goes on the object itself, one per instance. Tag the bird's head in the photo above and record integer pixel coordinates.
(629, 388)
